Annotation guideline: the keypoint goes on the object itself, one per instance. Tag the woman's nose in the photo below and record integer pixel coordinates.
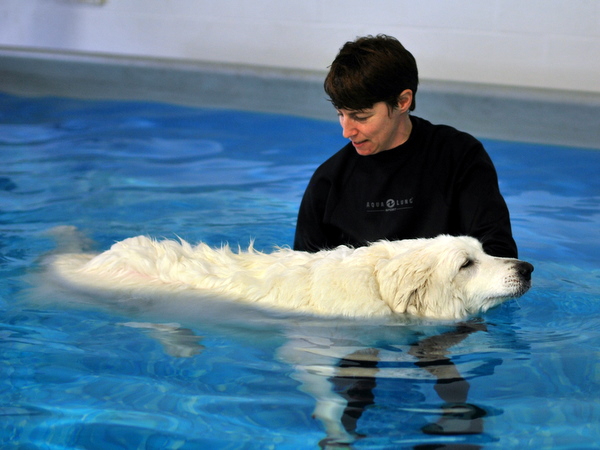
(348, 128)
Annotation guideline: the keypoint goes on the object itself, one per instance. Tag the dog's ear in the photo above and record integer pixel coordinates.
(419, 283)
(404, 282)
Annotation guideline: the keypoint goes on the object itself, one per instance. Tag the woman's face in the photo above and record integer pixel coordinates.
(375, 129)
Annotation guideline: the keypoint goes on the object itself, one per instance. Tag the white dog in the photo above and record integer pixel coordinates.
(441, 278)
(444, 278)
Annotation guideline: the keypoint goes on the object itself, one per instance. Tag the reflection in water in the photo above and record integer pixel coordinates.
(457, 415)
(357, 391)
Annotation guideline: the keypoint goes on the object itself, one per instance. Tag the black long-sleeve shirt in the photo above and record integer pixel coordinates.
(440, 181)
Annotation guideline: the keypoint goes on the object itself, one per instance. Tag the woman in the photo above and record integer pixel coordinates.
(400, 176)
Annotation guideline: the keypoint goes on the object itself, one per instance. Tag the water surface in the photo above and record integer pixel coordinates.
(74, 375)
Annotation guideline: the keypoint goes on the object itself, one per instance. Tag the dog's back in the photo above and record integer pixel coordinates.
(323, 283)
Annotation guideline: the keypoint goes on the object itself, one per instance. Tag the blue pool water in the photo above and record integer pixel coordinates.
(75, 375)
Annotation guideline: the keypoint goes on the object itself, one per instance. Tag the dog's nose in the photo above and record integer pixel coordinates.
(524, 269)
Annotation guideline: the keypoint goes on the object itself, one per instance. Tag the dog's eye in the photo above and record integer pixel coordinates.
(467, 263)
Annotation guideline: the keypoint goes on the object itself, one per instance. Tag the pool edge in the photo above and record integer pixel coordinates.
(487, 111)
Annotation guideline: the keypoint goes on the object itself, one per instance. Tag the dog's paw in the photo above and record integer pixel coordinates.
(176, 341)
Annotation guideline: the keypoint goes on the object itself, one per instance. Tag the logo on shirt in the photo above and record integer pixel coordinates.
(390, 205)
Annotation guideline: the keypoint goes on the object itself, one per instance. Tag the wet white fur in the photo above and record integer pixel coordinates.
(443, 278)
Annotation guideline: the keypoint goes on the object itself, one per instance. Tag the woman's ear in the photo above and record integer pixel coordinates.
(405, 100)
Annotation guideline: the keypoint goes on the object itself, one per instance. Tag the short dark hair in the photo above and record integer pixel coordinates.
(369, 70)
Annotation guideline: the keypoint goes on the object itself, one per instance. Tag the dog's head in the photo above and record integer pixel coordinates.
(447, 277)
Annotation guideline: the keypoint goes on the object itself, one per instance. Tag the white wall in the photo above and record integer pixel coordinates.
(532, 43)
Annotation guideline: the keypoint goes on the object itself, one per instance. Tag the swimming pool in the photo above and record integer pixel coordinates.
(75, 376)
